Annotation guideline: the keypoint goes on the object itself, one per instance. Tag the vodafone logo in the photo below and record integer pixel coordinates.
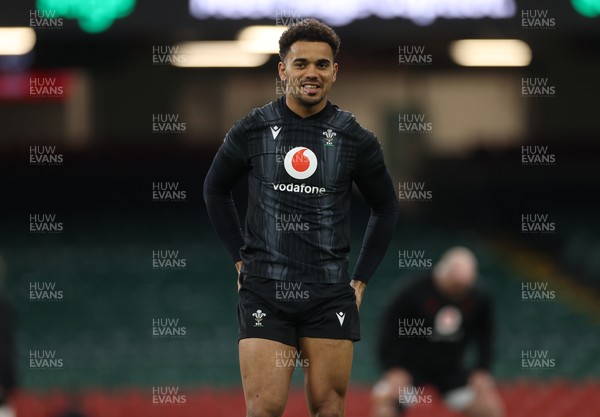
(300, 163)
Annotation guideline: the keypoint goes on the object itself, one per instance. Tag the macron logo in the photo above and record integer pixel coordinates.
(275, 131)
(341, 316)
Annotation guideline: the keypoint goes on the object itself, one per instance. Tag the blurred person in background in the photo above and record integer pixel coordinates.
(425, 333)
(302, 155)
(7, 349)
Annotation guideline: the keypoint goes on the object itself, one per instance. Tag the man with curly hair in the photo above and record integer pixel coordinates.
(298, 304)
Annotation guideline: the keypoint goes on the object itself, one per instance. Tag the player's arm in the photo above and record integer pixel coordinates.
(228, 166)
(375, 185)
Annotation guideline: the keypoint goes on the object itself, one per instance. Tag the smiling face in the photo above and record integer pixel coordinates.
(309, 72)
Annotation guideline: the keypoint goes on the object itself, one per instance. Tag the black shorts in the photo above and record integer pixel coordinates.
(284, 311)
(443, 381)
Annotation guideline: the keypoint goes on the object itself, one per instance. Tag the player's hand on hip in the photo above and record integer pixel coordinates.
(238, 268)
(359, 289)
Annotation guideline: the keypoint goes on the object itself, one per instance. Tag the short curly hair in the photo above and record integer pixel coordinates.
(310, 30)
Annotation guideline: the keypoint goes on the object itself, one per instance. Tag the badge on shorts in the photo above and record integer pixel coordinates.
(258, 317)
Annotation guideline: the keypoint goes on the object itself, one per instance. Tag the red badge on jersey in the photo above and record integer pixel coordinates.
(300, 163)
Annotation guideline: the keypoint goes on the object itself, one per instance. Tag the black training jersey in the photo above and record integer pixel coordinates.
(425, 330)
(300, 183)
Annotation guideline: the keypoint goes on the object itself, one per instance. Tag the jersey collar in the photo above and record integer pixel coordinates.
(287, 111)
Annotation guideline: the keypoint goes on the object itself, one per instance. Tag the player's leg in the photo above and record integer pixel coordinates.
(487, 401)
(326, 375)
(267, 345)
(475, 395)
(386, 393)
(265, 377)
(328, 326)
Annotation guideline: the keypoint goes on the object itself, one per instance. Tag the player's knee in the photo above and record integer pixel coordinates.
(492, 402)
(331, 406)
(388, 387)
(383, 391)
(493, 408)
(486, 406)
(399, 377)
(404, 377)
(262, 408)
(330, 411)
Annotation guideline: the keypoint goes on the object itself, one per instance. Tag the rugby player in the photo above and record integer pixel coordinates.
(425, 334)
(297, 297)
